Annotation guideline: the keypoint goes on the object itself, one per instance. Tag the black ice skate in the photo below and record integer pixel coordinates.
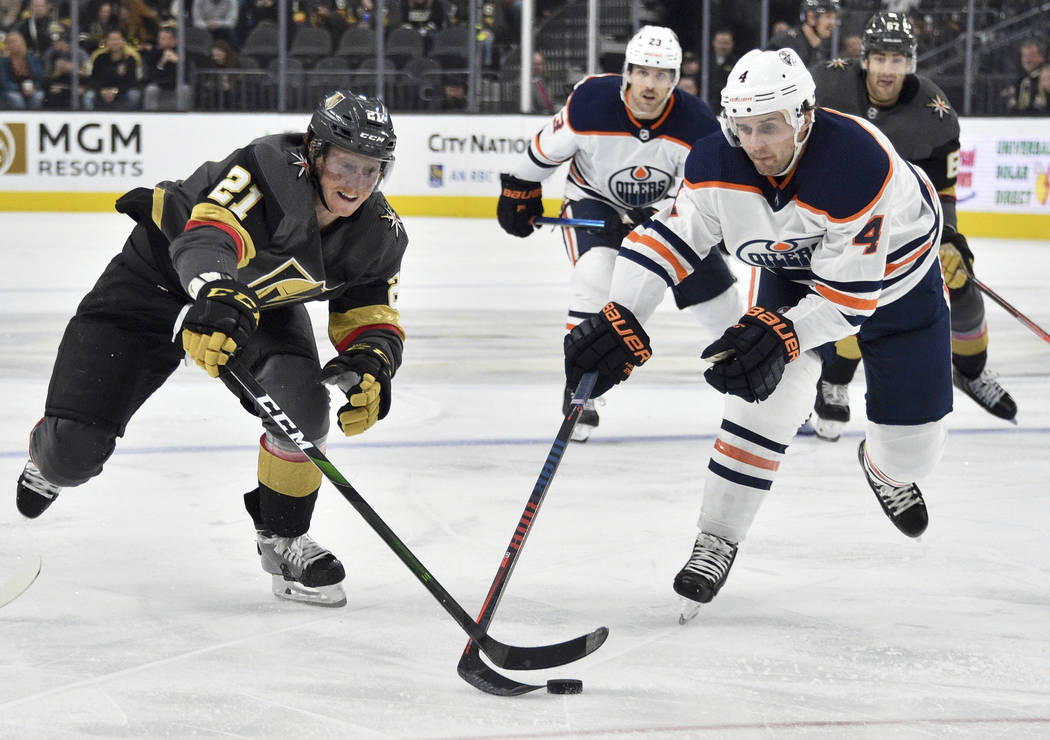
(902, 504)
(302, 570)
(702, 577)
(588, 420)
(830, 410)
(34, 492)
(987, 392)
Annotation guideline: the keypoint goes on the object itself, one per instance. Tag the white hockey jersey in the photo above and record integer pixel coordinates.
(852, 221)
(616, 158)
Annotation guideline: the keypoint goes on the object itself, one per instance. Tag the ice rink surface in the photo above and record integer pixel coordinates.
(152, 616)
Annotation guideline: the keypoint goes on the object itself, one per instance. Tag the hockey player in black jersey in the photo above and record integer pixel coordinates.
(915, 114)
(227, 258)
(811, 38)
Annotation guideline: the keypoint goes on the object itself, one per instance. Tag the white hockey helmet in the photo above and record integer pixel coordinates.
(768, 82)
(653, 46)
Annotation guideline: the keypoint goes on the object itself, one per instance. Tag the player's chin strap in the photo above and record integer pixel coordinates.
(314, 149)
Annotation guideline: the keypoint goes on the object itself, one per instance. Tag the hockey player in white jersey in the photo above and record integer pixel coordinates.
(841, 233)
(627, 137)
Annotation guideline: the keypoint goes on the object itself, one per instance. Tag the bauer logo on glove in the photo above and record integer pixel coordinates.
(749, 358)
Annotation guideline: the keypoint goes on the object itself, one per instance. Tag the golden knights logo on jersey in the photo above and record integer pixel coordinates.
(640, 185)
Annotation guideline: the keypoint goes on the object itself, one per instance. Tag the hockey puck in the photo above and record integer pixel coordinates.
(565, 686)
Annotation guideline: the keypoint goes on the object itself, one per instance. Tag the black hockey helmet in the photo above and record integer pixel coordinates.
(356, 123)
(889, 31)
(818, 7)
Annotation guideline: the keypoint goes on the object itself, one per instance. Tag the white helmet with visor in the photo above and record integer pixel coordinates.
(768, 82)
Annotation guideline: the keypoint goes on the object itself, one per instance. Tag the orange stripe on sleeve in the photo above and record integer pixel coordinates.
(891, 267)
(679, 269)
(841, 299)
(722, 186)
(745, 457)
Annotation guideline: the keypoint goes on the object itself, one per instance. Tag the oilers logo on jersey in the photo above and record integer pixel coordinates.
(782, 256)
(640, 185)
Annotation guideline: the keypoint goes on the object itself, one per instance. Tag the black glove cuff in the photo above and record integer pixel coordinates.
(519, 189)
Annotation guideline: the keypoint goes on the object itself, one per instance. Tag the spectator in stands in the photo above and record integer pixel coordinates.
(161, 75)
(454, 93)
(36, 27)
(1019, 96)
(104, 20)
(58, 69)
(10, 10)
(218, 89)
(1040, 98)
(21, 75)
(547, 93)
(688, 85)
(812, 37)
(114, 80)
(219, 17)
(425, 16)
(324, 14)
(852, 47)
(364, 11)
(139, 23)
(690, 65)
(723, 57)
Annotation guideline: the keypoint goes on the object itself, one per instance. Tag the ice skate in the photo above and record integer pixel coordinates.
(986, 391)
(902, 504)
(302, 570)
(588, 420)
(830, 410)
(34, 493)
(700, 579)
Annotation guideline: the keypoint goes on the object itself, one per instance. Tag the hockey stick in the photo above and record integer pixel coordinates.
(24, 576)
(591, 223)
(471, 668)
(1039, 331)
(505, 656)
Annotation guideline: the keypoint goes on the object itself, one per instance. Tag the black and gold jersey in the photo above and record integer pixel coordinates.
(253, 215)
(922, 125)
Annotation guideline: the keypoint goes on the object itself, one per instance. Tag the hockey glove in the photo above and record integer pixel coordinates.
(956, 259)
(618, 227)
(361, 371)
(611, 342)
(749, 358)
(222, 318)
(519, 203)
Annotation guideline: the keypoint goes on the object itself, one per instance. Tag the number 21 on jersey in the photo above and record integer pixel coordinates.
(236, 181)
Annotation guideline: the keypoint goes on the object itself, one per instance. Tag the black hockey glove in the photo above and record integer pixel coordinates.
(749, 357)
(612, 342)
(618, 227)
(222, 318)
(362, 371)
(520, 202)
(956, 259)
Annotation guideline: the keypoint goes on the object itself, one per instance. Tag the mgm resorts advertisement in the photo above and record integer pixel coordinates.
(445, 165)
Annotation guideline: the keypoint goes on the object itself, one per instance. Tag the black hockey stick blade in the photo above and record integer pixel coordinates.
(501, 654)
(471, 668)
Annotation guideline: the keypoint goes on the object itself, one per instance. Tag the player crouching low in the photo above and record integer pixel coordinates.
(229, 256)
(842, 233)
